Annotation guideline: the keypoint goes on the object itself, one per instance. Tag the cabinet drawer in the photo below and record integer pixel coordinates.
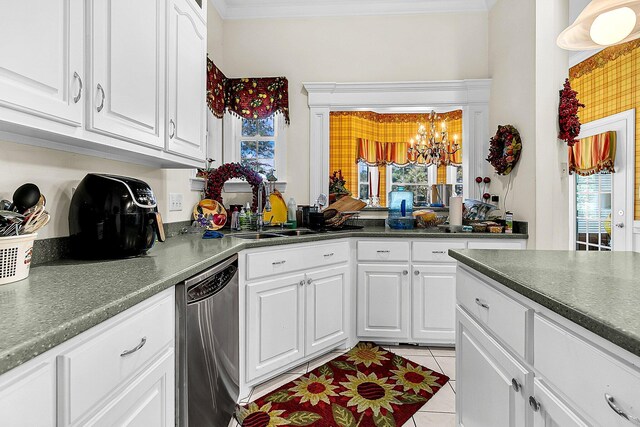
(502, 315)
(383, 251)
(111, 355)
(436, 251)
(585, 374)
(280, 261)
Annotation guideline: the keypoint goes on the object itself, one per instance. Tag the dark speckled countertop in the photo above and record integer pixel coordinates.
(61, 299)
(599, 291)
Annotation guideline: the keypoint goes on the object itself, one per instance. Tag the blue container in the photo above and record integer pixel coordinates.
(400, 209)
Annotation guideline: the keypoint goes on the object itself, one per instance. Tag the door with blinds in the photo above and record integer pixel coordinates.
(602, 186)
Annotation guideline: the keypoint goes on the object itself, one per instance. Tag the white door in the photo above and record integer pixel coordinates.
(326, 308)
(550, 411)
(601, 205)
(433, 298)
(275, 328)
(187, 64)
(41, 58)
(127, 60)
(147, 401)
(491, 386)
(383, 301)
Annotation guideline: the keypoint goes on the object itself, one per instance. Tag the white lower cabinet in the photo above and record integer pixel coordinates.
(490, 386)
(383, 301)
(295, 316)
(550, 411)
(433, 299)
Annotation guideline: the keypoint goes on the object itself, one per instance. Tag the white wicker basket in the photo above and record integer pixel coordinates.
(15, 257)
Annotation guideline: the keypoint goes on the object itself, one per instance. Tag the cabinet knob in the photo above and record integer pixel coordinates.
(405, 272)
(620, 224)
(516, 385)
(79, 94)
(611, 401)
(535, 405)
(416, 273)
(309, 281)
(301, 283)
(101, 106)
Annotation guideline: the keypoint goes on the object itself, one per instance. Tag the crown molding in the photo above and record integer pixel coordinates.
(261, 9)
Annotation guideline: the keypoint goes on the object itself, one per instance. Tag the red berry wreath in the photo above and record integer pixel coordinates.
(217, 177)
(504, 149)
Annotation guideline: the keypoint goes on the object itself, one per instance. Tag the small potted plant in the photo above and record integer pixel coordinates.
(336, 186)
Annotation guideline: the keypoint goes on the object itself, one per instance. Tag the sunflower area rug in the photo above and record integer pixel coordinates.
(365, 387)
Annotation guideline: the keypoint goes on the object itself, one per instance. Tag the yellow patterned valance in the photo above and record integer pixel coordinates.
(593, 154)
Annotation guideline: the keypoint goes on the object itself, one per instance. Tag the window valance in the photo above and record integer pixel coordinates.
(376, 153)
(593, 154)
(250, 98)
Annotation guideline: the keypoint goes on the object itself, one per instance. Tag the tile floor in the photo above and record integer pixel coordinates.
(437, 412)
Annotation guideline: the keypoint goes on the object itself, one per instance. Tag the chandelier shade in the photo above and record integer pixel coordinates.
(602, 23)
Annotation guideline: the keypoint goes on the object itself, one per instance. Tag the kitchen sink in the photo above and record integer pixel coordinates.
(301, 232)
(256, 236)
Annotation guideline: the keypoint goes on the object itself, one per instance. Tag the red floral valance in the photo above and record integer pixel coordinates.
(250, 98)
(594, 154)
(258, 98)
(215, 89)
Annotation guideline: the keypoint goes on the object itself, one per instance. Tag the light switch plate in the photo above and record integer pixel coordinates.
(175, 202)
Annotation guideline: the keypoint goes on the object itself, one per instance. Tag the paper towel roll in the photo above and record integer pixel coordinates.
(455, 211)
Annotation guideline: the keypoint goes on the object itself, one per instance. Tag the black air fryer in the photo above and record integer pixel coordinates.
(113, 217)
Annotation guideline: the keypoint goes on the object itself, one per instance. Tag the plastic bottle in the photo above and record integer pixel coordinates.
(235, 220)
(246, 224)
(291, 211)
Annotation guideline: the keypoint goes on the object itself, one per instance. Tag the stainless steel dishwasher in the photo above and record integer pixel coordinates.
(207, 340)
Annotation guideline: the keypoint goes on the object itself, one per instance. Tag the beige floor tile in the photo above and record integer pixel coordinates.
(434, 419)
(443, 401)
(267, 387)
(319, 361)
(426, 361)
(409, 350)
(443, 351)
(409, 423)
(448, 366)
(453, 385)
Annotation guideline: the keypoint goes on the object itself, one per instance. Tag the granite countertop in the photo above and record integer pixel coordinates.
(599, 291)
(61, 299)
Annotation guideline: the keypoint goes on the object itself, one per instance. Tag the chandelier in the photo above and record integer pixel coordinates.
(433, 146)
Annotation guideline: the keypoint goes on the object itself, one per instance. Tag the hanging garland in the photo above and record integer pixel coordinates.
(568, 115)
(504, 149)
(217, 177)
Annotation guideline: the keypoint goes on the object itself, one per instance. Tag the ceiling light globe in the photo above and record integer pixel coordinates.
(613, 26)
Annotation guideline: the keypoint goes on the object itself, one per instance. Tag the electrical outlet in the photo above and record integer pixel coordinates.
(175, 202)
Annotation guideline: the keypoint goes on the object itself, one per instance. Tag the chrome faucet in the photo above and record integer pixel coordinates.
(266, 188)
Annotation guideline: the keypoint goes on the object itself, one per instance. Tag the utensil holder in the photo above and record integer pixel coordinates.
(15, 257)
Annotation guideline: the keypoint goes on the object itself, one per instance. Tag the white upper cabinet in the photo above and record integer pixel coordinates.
(41, 60)
(187, 84)
(127, 61)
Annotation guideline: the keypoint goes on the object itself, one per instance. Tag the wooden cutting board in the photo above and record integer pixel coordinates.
(347, 204)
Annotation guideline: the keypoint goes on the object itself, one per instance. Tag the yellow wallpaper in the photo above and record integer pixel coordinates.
(345, 127)
(609, 83)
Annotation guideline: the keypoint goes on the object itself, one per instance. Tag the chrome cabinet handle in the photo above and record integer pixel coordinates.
(405, 272)
(438, 252)
(416, 273)
(482, 304)
(612, 404)
(79, 95)
(328, 255)
(383, 252)
(143, 341)
(516, 385)
(301, 283)
(172, 127)
(535, 405)
(309, 281)
(278, 262)
(101, 106)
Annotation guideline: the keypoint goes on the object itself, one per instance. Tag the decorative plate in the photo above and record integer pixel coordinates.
(210, 214)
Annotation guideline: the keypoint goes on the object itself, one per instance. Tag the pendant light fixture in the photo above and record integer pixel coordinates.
(603, 23)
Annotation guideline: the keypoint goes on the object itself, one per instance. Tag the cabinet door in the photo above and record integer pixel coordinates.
(187, 109)
(434, 303)
(41, 60)
(485, 394)
(28, 395)
(383, 301)
(127, 60)
(275, 329)
(326, 309)
(147, 401)
(550, 411)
